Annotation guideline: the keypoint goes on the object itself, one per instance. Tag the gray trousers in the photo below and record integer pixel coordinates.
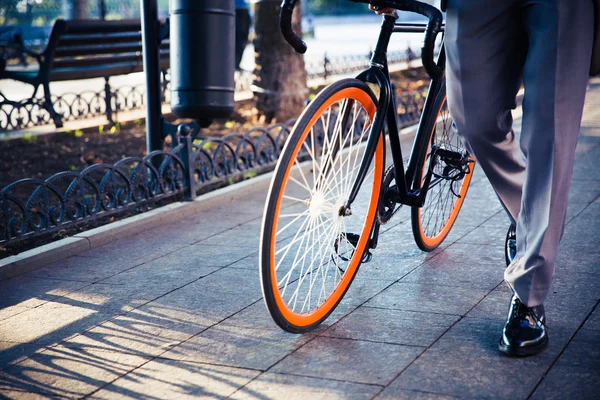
(494, 46)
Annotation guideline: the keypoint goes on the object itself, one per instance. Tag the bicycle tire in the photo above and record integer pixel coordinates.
(449, 184)
(298, 207)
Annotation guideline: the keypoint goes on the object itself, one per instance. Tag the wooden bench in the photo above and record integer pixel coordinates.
(11, 44)
(88, 49)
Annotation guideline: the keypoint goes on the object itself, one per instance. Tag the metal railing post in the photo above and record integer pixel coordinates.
(108, 100)
(187, 157)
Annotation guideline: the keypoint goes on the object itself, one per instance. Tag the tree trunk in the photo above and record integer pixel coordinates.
(279, 73)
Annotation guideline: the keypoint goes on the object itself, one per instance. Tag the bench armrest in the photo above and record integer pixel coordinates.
(38, 56)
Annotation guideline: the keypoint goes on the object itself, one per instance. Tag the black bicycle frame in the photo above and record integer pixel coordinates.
(408, 190)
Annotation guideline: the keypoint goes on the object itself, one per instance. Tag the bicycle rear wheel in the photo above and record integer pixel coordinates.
(310, 248)
(452, 169)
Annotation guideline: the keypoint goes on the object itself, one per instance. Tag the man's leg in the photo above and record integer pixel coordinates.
(555, 78)
(485, 57)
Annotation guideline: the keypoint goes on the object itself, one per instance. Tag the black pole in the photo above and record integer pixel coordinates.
(150, 29)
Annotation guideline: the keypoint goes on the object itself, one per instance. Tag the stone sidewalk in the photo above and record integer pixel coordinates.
(176, 312)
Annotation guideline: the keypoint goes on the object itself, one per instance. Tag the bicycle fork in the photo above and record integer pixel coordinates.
(376, 133)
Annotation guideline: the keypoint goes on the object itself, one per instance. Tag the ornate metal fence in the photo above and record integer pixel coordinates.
(71, 106)
(88, 104)
(32, 207)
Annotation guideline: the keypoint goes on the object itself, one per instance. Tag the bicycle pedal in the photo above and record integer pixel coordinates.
(367, 256)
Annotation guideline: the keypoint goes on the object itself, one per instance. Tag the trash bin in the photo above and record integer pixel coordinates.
(202, 34)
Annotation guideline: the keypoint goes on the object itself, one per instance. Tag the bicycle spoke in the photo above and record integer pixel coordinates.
(313, 248)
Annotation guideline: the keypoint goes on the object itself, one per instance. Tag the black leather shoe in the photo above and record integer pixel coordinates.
(525, 332)
(510, 244)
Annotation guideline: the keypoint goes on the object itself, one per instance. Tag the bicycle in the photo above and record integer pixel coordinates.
(329, 194)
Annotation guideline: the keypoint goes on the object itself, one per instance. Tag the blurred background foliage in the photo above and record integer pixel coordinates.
(44, 12)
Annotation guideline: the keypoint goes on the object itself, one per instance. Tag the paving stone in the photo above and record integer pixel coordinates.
(216, 255)
(341, 311)
(161, 379)
(244, 203)
(466, 363)
(50, 323)
(67, 372)
(480, 203)
(399, 221)
(12, 353)
(248, 339)
(201, 226)
(392, 326)
(583, 193)
(167, 273)
(583, 351)
(85, 269)
(574, 210)
(210, 299)
(256, 316)
(494, 305)
(466, 265)
(145, 331)
(576, 261)
(594, 321)
(9, 311)
(569, 382)
(249, 262)
(32, 292)
(362, 290)
(392, 392)
(246, 237)
(288, 387)
(108, 298)
(136, 249)
(255, 348)
(586, 166)
(349, 360)
(395, 256)
(487, 234)
(18, 395)
(576, 285)
(428, 298)
(582, 233)
(498, 220)
(458, 233)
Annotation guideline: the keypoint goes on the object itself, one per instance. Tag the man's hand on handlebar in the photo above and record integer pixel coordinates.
(380, 11)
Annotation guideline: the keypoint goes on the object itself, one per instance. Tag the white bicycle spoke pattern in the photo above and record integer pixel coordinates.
(314, 243)
(441, 195)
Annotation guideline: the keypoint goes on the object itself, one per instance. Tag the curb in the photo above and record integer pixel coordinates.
(52, 252)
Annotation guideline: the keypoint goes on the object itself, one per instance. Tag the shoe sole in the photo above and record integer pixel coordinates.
(523, 351)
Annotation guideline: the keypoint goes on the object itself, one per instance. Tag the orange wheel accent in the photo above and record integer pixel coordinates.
(300, 320)
(446, 208)
(436, 240)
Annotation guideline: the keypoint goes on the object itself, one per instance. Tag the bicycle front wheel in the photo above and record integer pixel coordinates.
(310, 247)
(452, 168)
